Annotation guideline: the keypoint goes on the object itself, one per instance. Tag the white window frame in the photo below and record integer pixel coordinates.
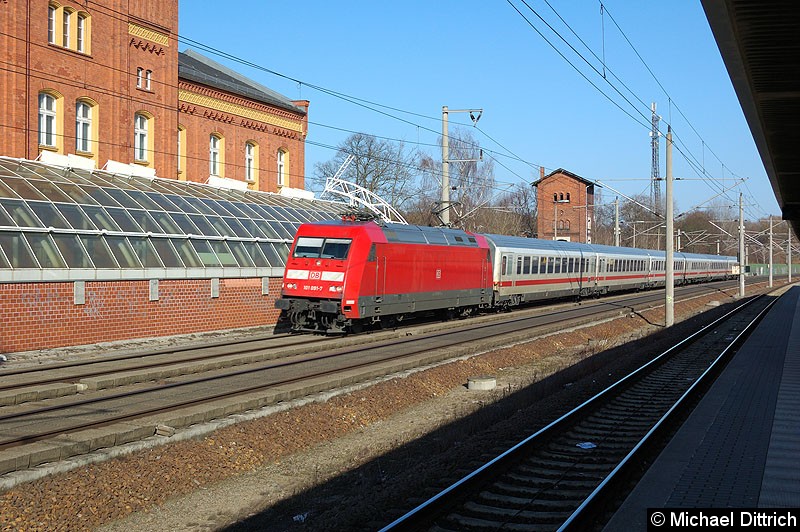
(281, 168)
(51, 24)
(213, 155)
(83, 127)
(65, 25)
(249, 161)
(47, 119)
(140, 134)
(139, 72)
(148, 76)
(81, 33)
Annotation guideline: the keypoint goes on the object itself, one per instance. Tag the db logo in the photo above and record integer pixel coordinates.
(438, 273)
(316, 275)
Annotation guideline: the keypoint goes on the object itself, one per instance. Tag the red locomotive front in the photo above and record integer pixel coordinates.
(341, 276)
(325, 267)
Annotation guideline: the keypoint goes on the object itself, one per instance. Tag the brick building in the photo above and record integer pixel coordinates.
(97, 84)
(565, 207)
(140, 249)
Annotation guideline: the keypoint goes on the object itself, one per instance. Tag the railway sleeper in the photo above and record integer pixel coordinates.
(509, 515)
(559, 465)
(595, 434)
(533, 496)
(530, 479)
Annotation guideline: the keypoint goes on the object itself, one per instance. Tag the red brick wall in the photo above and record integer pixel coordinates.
(200, 122)
(43, 315)
(573, 211)
(107, 75)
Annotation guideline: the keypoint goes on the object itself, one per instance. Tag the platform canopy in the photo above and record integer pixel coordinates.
(71, 224)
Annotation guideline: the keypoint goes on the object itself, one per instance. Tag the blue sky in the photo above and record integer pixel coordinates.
(417, 56)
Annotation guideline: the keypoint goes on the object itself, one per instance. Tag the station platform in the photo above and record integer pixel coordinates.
(740, 446)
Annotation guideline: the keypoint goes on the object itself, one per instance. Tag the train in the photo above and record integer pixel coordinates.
(343, 276)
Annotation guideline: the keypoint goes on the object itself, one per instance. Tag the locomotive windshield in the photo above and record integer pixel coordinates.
(322, 248)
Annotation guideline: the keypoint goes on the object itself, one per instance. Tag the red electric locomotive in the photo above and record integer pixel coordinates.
(341, 276)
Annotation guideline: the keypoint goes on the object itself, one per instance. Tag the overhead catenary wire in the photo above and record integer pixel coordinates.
(368, 104)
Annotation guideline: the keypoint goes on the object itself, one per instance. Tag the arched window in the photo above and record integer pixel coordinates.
(250, 161)
(65, 25)
(52, 11)
(81, 35)
(83, 126)
(566, 225)
(141, 137)
(48, 119)
(561, 224)
(555, 196)
(281, 168)
(568, 196)
(139, 77)
(214, 155)
(561, 197)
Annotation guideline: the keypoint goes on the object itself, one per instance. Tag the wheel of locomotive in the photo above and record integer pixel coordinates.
(388, 322)
(448, 314)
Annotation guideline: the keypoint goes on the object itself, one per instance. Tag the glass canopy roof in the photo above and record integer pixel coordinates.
(75, 224)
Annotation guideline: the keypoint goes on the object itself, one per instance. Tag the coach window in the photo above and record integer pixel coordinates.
(534, 265)
(557, 265)
(504, 265)
(519, 265)
(526, 266)
(571, 265)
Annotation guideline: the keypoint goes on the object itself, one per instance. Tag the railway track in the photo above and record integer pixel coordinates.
(174, 401)
(88, 373)
(557, 478)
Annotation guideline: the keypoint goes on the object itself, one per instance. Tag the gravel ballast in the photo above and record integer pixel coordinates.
(351, 461)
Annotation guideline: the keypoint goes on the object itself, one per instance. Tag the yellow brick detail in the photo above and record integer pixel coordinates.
(238, 110)
(147, 33)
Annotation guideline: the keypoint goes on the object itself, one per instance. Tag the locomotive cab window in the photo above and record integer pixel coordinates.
(336, 248)
(316, 248)
(308, 247)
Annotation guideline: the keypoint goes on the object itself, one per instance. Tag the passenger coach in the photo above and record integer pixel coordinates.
(528, 269)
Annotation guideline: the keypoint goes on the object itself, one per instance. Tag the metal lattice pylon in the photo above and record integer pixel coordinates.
(358, 196)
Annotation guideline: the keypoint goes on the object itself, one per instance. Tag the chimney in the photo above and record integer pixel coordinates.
(541, 172)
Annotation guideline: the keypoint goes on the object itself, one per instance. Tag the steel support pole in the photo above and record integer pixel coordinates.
(669, 303)
(742, 256)
(445, 170)
(770, 251)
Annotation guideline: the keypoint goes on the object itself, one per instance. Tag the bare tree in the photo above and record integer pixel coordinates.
(471, 178)
(383, 167)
